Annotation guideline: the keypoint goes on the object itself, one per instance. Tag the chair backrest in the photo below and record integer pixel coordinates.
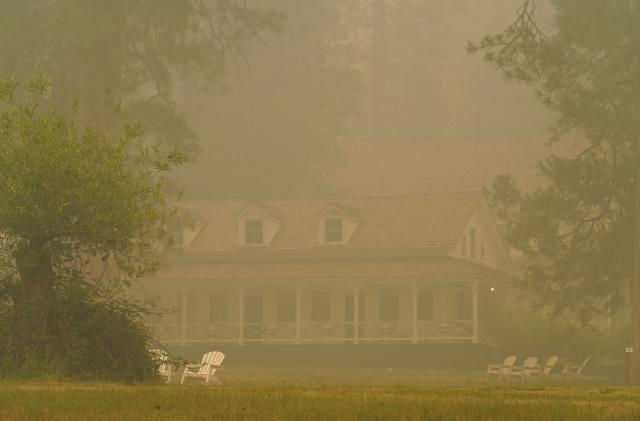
(551, 362)
(209, 361)
(510, 360)
(583, 365)
(530, 362)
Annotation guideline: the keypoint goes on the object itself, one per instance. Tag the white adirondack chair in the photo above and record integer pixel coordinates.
(545, 370)
(501, 370)
(206, 370)
(165, 367)
(575, 371)
(528, 367)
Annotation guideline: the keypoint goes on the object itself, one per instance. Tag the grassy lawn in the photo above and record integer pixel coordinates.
(270, 394)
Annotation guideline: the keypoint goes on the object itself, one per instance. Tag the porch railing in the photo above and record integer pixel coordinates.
(315, 332)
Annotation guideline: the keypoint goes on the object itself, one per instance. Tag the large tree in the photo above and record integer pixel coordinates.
(581, 232)
(417, 80)
(103, 52)
(274, 131)
(78, 208)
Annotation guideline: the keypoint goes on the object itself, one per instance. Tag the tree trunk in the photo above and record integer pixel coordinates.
(634, 372)
(34, 299)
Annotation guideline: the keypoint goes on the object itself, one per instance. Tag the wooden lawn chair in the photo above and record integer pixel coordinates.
(500, 370)
(206, 370)
(528, 368)
(545, 370)
(575, 371)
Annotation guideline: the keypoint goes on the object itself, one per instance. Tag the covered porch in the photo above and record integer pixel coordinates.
(361, 298)
(321, 312)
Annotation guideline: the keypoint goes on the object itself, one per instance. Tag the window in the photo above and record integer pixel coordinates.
(253, 231)
(286, 307)
(320, 306)
(472, 243)
(389, 306)
(333, 230)
(218, 307)
(425, 305)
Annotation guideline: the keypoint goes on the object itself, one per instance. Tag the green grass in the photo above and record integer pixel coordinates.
(270, 394)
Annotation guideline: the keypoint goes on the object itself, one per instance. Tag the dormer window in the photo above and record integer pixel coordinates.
(254, 231)
(333, 230)
(258, 225)
(337, 224)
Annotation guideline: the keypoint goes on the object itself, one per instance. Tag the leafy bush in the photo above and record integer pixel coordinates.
(93, 335)
(523, 331)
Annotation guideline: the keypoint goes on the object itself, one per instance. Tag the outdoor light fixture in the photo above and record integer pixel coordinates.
(492, 289)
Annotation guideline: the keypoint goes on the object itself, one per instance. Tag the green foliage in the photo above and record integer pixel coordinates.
(93, 334)
(101, 336)
(134, 50)
(577, 231)
(521, 331)
(82, 215)
(79, 191)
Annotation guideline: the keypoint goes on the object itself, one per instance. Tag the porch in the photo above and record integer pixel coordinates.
(417, 312)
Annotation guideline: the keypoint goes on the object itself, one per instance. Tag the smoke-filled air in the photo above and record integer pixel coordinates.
(320, 209)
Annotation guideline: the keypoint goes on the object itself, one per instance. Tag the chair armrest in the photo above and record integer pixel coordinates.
(192, 367)
(536, 369)
(571, 369)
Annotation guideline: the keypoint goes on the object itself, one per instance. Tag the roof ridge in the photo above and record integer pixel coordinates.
(335, 198)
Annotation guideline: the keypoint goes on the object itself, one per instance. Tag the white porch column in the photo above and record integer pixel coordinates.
(414, 304)
(298, 312)
(183, 324)
(474, 292)
(241, 315)
(356, 314)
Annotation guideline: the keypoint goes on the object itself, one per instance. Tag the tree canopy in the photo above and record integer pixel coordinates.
(577, 232)
(136, 51)
(82, 212)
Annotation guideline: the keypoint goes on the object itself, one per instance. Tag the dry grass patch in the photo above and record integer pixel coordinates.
(281, 402)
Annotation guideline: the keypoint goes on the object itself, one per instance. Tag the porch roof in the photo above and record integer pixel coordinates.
(436, 268)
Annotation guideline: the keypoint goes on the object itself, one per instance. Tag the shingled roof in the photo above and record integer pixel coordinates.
(325, 269)
(418, 221)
